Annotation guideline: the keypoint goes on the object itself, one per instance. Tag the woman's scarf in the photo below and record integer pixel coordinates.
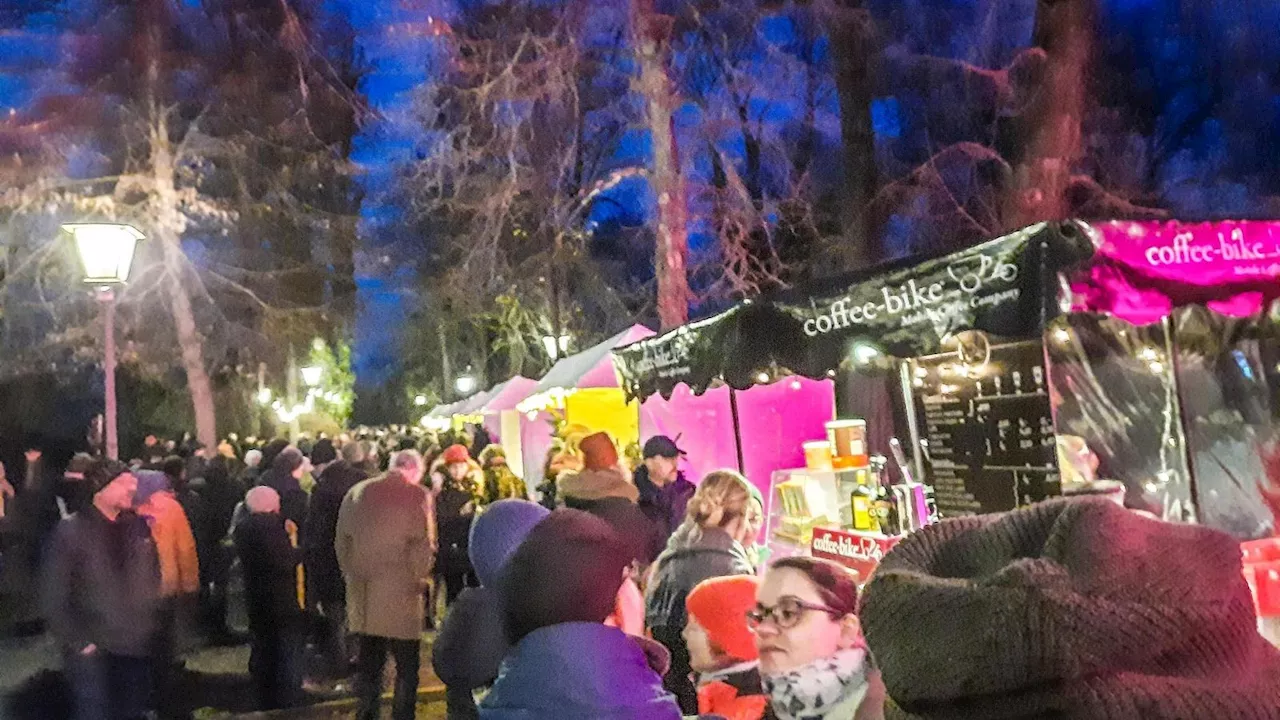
(822, 687)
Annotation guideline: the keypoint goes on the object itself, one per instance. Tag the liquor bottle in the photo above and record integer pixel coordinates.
(863, 499)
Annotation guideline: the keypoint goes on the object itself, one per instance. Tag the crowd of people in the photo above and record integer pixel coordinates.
(624, 592)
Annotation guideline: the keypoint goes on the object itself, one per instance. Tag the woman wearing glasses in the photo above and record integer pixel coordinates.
(813, 659)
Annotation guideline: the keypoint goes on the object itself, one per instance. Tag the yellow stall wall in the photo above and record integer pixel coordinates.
(605, 409)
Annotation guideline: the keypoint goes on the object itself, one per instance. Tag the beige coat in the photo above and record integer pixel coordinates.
(384, 550)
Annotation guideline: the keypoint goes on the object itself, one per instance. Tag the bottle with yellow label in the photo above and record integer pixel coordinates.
(863, 499)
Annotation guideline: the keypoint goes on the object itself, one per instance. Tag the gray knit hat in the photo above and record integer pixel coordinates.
(1069, 609)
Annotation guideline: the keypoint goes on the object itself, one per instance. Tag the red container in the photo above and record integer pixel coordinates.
(1262, 572)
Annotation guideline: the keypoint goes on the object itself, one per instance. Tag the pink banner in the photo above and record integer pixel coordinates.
(1145, 269)
(1200, 253)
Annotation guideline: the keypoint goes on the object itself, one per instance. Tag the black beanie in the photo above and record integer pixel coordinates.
(1069, 609)
(568, 569)
(103, 471)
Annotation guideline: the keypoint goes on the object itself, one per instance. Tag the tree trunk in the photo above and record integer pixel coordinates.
(851, 50)
(651, 33)
(168, 232)
(1048, 134)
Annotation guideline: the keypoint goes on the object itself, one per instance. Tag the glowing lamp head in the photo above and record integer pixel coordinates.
(465, 384)
(105, 250)
(420, 400)
(311, 374)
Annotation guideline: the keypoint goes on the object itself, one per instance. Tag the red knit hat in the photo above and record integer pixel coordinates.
(456, 454)
(720, 605)
(598, 452)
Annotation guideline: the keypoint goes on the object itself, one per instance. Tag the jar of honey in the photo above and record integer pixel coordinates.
(818, 456)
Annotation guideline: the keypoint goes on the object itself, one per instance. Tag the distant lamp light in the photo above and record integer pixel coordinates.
(420, 400)
(1157, 368)
(1149, 354)
(762, 378)
(106, 250)
(1062, 336)
(311, 374)
(264, 396)
(554, 346)
(465, 384)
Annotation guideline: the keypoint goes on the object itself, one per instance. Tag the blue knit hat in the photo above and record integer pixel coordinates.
(150, 482)
(497, 532)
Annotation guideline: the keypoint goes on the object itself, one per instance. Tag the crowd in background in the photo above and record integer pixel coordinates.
(615, 589)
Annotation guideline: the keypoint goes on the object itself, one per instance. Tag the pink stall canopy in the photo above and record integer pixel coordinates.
(591, 368)
(1142, 270)
(507, 395)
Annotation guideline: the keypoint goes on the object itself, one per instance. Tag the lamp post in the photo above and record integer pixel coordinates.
(106, 253)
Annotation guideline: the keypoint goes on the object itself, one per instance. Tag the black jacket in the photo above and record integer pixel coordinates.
(331, 487)
(469, 649)
(270, 565)
(101, 583)
(76, 493)
(293, 499)
(453, 523)
(664, 506)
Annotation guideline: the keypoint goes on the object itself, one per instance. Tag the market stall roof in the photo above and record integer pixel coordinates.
(442, 410)
(911, 307)
(507, 395)
(471, 405)
(591, 368)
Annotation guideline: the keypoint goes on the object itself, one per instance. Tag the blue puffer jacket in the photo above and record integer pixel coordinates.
(578, 671)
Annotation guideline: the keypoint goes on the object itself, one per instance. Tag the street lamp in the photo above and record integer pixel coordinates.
(311, 375)
(420, 400)
(106, 253)
(465, 384)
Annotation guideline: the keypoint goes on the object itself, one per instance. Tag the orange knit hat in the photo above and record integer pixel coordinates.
(720, 605)
(598, 452)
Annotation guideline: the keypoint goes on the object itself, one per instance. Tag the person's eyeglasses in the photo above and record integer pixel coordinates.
(786, 614)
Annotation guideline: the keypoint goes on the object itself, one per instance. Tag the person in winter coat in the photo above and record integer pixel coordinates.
(384, 550)
(469, 649)
(267, 545)
(455, 507)
(284, 476)
(722, 649)
(326, 589)
(101, 593)
(813, 659)
(722, 518)
(219, 493)
(499, 481)
(1075, 609)
(603, 489)
(179, 562)
(73, 493)
(252, 468)
(664, 490)
(556, 591)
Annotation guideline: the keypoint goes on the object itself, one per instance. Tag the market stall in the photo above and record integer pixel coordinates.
(936, 364)
(584, 388)
(507, 424)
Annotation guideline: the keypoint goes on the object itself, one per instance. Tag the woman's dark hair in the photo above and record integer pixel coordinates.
(836, 585)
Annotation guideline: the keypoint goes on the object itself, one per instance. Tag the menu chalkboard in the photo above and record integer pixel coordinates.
(991, 444)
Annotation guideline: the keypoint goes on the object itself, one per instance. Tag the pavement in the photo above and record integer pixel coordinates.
(214, 685)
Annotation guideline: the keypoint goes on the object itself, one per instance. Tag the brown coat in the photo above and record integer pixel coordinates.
(384, 549)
